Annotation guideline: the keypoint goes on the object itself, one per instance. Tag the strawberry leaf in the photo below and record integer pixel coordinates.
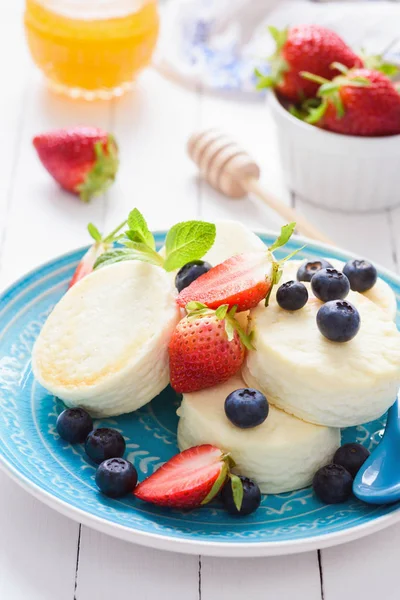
(218, 483)
(221, 311)
(315, 114)
(276, 277)
(284, 237)
(264, 81)
(232, 325)
(339, 67)
(137, 224)
(103, 172)
(188, 241)
(313, 77)
(237, 490)
(279, 36)
(376, 62)
(230, 329)
(193, 306)
(94, 232)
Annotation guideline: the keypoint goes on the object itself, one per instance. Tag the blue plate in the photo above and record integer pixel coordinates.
(60, 475)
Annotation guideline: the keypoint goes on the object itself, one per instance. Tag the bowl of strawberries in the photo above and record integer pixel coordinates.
(338, 120)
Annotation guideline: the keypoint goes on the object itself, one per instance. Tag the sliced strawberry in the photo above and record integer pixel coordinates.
(190, 479)
(86, 264)
(242, 280)
(83, 160)
(206, 348)
(101, 245)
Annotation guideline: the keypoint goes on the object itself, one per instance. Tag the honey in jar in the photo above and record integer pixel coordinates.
(91, 48)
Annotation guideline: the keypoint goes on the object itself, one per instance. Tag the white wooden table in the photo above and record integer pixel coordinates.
(44, 556)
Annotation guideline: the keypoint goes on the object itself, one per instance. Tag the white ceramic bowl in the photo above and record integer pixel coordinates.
(339, 172)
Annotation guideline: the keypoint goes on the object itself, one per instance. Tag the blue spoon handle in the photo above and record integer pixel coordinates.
(378, 481)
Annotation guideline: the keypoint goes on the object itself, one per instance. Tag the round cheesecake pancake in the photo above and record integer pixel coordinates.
(105, 345)
(323, 382)
(282, 454)
(232, 238)
(381, 293)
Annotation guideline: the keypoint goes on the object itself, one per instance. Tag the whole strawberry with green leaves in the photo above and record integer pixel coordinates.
(304, 48)
(361, 102)
(83, 160)
(206, 348)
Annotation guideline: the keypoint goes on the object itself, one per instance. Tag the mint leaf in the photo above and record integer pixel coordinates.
(137, 252)
(94, 232)
(188, 241)
(111, 237)
(137, 223)
(237, 490)
(285, 235)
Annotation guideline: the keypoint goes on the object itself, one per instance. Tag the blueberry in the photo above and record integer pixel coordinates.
(361, 274)
(74, 425)
(330, 284)
(104, 443)
(246, 408)
(116, 477)
(292, 295)
(251, 497)
(308, 269)
(339, 321)
(351, 456)
(190, 272)
(333, 484)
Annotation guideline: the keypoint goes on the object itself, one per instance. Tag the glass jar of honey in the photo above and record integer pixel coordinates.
(91, 48)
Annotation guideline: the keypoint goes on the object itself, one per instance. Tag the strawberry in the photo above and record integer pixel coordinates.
(242, 280)
(206, 348)
(101, 245)
(188, 480)
(304, 48)
(83, 160)
(358, 102)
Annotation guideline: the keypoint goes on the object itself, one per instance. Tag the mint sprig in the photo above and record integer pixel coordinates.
(197, 309)
(138, 226)
(107, 240)
(284, 236)
(188, 241)
(185, 242)
(277, 271)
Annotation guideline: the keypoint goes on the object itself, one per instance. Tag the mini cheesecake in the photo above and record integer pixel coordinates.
(282, 454)
(323, 382)
(105, 345)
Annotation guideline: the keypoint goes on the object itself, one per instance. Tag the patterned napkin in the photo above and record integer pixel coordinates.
(217, 44)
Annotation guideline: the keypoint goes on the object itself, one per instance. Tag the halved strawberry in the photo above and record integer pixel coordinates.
(86, 264)
(190, 479)
(242, 280)
(101, 245)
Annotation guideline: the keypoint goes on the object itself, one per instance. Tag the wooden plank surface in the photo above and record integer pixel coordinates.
(44, 556)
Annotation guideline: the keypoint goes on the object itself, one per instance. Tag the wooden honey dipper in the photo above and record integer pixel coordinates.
(232, 171)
